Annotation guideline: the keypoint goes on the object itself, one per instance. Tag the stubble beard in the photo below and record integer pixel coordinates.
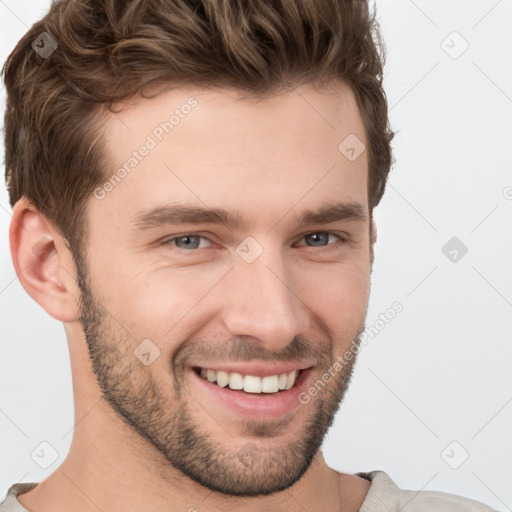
(258, 464)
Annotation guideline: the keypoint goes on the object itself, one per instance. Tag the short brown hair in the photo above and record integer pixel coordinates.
(111, 50)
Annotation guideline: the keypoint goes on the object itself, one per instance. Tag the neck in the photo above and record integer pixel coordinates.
(126, 474)
(110, 467)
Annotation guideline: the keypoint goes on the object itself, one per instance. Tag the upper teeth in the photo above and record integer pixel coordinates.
(251, 383)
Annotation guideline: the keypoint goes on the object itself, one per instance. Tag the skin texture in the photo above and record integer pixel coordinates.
(148, 436)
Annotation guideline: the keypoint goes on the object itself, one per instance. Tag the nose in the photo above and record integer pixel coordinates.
(261, 303)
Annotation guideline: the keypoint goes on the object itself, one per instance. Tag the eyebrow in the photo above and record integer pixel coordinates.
(170, 214)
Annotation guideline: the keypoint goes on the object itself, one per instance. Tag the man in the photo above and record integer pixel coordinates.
(192, 186)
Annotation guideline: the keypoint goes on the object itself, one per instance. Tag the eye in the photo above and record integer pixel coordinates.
(187, 242)
(321, 238)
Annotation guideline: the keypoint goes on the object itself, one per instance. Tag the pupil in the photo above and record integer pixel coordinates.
(319, 237)
(186, 242)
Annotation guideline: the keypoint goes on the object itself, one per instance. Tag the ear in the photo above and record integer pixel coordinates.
(373, 239)
(373, 233)
(43, 262)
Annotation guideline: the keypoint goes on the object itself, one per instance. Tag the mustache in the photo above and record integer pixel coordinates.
(245, 348)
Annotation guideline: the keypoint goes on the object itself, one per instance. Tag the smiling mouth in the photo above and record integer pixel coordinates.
(235, 381)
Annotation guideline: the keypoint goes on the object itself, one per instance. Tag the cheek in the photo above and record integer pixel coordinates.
(166, 303)
(164, 300)
(168, 294)
(345, 283)
(338, 294)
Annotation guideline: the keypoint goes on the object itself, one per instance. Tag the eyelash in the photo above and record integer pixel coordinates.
(341, 238)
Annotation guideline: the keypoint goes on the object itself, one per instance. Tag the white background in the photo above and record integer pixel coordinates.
(436, 376)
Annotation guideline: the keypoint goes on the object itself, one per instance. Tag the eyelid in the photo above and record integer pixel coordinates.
(168, 241)
(342, 237)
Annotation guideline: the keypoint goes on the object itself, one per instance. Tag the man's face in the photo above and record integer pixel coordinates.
(171, 292)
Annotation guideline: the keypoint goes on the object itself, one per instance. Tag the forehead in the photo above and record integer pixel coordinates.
(213, 147)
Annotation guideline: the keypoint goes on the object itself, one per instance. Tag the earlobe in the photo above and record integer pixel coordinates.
(373, 239)
(42, 262)
(374, 232)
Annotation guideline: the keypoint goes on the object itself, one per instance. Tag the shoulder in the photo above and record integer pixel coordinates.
(411, 501)
(10, 503)
(385, 496)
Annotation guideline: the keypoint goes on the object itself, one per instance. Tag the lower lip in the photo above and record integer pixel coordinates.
(254, 405)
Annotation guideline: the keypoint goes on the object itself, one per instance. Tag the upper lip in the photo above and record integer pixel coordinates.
(256, 369)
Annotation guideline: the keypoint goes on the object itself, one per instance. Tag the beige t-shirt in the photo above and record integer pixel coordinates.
(383, 496)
